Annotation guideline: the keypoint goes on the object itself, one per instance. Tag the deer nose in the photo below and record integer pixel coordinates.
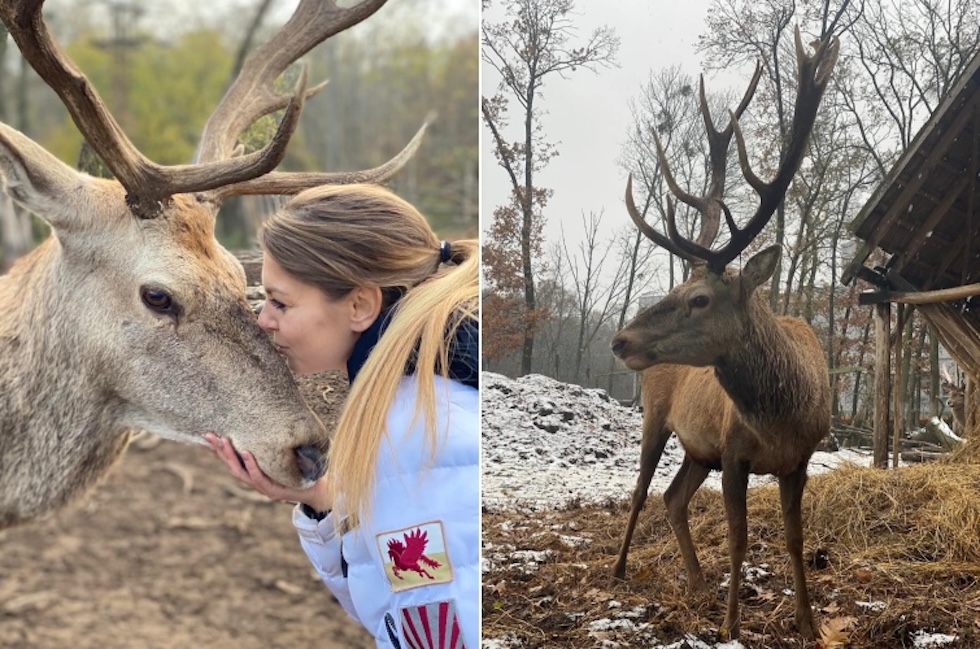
(617, 345)
(311, 462)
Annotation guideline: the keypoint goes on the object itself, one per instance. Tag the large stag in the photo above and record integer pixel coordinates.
(131, 315)
(745, 391)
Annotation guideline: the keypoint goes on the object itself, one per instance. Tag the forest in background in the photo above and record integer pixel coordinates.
(897, 61)
(162, 69)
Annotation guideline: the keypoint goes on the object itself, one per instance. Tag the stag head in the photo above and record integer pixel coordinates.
(701, 319)
(132, 309)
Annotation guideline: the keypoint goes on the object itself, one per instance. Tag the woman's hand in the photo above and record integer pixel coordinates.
(244, 467)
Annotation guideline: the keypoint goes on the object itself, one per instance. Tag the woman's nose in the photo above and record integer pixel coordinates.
(266, 321)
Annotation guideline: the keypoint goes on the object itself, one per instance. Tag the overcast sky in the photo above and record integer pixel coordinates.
(588, 114)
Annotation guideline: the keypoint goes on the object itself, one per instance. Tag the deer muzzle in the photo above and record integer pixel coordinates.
(312, 463)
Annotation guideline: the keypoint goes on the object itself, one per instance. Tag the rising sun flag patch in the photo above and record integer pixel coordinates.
(415, 556)
(432, 626)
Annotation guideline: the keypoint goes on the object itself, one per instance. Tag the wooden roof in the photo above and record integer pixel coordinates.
(926, 213)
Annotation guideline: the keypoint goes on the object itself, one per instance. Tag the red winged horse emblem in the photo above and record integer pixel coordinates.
(410, 555)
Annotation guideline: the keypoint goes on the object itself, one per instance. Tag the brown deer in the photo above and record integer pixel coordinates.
(955, 399)
(131, 316)
(745, 391)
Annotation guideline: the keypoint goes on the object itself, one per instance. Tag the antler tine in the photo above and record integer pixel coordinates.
(814, 74)
(648, 230)
(252, 94)
(703, 204)
(281, 183)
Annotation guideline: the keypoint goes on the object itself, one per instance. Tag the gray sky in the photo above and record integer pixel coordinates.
(588, 114)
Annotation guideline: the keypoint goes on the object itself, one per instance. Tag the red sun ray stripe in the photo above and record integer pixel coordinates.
(443, 614)
(414, 641)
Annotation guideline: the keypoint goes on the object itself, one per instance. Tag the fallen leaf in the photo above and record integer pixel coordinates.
(831, 608)
(834, 632)
(864, 575)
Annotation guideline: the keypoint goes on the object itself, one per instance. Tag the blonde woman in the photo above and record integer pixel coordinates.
(356, 278)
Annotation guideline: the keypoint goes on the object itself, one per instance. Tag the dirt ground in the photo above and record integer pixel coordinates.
(169, 552)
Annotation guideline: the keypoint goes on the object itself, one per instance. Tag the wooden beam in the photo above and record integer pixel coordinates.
(919, 297)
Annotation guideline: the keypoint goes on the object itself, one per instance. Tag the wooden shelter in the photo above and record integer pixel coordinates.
(926, 215)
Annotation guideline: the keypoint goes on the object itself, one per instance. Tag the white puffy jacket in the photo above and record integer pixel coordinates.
(410, 572)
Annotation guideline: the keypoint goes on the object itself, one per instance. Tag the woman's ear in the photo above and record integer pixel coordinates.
(365, 304)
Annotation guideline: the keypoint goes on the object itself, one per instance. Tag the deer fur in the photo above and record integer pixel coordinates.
(745, 392)
(956, 400)
(83, 361)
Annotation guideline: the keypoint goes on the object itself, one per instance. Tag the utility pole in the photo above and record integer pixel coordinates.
(123, 15)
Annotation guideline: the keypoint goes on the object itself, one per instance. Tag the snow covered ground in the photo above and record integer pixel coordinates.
(546, 443)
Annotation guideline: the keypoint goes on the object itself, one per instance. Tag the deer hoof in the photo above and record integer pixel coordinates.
(697, 585)
(619, 571)
(728, 634)
(806, 628)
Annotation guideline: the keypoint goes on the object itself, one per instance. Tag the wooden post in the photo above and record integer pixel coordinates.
(971, 409)
(897, 385)
(882, 383)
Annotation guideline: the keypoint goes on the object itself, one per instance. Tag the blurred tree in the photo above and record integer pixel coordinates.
(530, 45)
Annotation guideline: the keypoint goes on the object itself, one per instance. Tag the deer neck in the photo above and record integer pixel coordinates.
(759, 371)
(54, 414)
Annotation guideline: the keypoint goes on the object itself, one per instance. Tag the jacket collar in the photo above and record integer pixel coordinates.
(464, 353)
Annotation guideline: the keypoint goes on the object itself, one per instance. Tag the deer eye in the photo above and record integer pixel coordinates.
(699, 301)
(158, 300)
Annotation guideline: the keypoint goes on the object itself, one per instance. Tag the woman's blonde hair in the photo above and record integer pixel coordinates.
(341, 237)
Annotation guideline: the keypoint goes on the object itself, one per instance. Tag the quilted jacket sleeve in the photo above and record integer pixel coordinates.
(322, 546)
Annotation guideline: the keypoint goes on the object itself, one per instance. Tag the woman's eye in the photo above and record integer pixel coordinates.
(158, 300)
(276, 304)
(699, 301)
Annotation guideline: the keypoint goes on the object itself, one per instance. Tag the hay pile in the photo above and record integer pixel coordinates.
(892, 554)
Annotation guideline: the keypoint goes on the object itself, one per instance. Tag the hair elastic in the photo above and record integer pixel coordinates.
(445, 252)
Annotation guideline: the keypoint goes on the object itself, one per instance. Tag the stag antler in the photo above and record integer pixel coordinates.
(707, 205)
(813, 73)
(251, 96)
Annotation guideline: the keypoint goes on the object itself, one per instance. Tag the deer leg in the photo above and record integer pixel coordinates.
(791, 496)
(655, 438)
(734, 482)
(677, 497)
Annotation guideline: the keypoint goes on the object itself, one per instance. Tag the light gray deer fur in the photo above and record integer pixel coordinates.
(83, 361)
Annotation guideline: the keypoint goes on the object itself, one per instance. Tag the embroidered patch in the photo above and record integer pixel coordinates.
(415, 556)
(432, 626)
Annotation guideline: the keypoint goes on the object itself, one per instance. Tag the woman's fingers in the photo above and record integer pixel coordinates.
(227, 453)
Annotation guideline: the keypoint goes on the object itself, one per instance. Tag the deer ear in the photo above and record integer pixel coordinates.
(36, 179)
(760, 268)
